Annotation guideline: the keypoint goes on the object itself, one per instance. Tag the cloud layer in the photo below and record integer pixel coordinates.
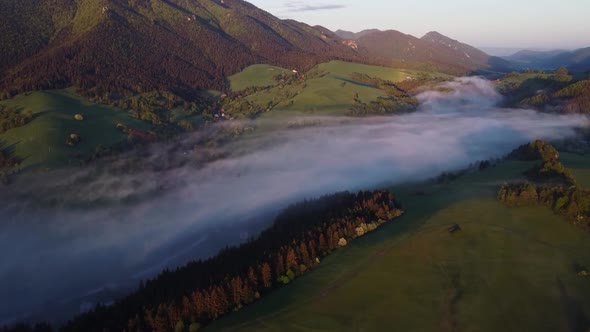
(71, 232)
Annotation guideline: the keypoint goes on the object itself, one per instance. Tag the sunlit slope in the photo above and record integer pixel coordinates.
(330, 91)
(42, 142)
(507, 270)
(255, 76)
(335, 91)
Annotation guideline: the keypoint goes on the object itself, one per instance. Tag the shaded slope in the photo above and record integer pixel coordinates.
(577, 61)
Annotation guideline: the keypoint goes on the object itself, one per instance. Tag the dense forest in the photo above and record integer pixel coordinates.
(200, 292)
(550, 184)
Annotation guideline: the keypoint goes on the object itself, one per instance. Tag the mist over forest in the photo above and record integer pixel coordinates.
(74, 231)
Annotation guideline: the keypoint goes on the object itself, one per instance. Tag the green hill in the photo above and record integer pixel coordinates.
(327, 89)
(42, 142)
(255, 76)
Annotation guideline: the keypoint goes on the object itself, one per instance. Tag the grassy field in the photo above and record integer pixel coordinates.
(255, 76)
(330, 94)
(578, 165)
(509, 269)
(42, 142)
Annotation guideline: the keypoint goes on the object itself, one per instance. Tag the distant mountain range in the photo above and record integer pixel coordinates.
(578, 60)
(116, 48)
(433, 48)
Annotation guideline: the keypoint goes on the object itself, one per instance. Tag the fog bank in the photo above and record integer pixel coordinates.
(74, 231)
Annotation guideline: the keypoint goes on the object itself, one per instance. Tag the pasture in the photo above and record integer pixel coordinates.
(42, 142)
(509, 269)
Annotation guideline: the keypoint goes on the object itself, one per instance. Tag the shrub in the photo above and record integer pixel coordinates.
(179, 326)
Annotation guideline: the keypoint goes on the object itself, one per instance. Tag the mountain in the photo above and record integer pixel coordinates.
(527, 58)
(578, 60)
(532, 55)
(354, 35)
(113, 49)
(500, 51)
(129, 46)
(433, 49)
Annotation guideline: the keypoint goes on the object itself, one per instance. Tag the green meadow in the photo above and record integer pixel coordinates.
(509, 269)
(578, 165)
(330, 93)
(42, 142)
(255, 76)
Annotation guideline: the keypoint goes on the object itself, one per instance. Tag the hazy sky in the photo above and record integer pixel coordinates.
(489, 23)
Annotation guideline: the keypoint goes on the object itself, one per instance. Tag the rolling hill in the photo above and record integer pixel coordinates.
(433, 49)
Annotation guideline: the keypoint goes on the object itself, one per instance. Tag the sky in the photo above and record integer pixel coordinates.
(483, 23)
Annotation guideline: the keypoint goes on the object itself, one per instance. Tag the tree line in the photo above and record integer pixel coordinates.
(549, 184)
(11, 118)
(398, 99)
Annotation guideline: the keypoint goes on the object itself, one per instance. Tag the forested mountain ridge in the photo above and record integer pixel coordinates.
(111, 49)
(433, 48)
(129, 46)
(576, 60)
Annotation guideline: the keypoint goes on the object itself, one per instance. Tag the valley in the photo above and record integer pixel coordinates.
(218, 165)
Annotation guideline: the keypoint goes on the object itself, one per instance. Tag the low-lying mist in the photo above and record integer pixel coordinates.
(72, 232)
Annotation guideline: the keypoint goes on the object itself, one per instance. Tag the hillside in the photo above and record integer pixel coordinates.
(113, 48)
(577, 60)
(526, 57)
(328, 89)
(354, 35)
(432, 49)
(556, 91)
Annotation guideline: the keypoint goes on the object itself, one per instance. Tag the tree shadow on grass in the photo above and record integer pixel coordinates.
(577, 321)
(366, 85)
(8, 154)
